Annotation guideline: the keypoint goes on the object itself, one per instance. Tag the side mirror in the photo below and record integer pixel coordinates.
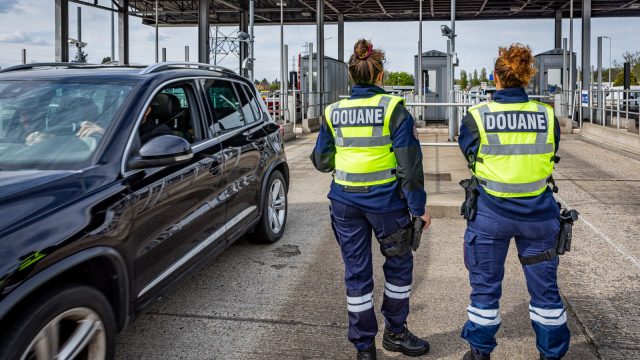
(165, 150)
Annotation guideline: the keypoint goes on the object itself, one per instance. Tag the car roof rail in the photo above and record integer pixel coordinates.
(167, 65)
(49, 64)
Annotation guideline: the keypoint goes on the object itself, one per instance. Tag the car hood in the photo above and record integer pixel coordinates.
(31, 193)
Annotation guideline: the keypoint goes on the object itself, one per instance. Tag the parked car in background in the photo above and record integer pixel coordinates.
(115, 184)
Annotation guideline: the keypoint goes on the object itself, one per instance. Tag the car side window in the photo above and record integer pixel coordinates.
(225, 106)
(247, 109)
(173, 111)
(255, 105)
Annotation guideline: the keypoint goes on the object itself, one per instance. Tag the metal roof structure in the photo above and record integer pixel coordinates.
(227, 12)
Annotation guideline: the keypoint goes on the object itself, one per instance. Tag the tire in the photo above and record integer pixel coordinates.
(72, 310)
(267, 231)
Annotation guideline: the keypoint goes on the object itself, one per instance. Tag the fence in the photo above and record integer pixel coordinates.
(616, 108)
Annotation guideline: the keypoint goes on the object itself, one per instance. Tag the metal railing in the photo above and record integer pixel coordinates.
(615, 108)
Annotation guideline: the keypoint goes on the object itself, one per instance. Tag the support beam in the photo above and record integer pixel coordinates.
(586, 48)
(123, 32)
(243, 47)
(320, 41)
(203, 32)
(62, 30)
(558, 32)
(340, 37)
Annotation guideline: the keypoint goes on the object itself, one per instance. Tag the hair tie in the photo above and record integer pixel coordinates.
(369, 51)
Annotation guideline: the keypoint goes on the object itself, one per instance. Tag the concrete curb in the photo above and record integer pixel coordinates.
(289, 132)
(619, 139)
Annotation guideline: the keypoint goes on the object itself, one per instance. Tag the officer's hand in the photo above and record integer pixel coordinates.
(427, 220)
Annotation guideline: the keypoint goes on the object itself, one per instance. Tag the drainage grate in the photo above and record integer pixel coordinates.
(438, 177)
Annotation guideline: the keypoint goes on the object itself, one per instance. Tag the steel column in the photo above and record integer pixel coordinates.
(123, 32)
(310, 96)
(203, 32)
(62, 30)
(164, 54)
(252, 12)
(186, 53)
(453, 126)
(586, 45)
(243, 46)
(599, 93)
(341, 37)
(320, 41)
(558, 31)
(572, 81)
(419, 74)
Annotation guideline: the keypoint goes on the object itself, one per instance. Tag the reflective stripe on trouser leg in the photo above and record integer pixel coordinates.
(547, 312)
(398, 273)
(353, 233)
(484, 258)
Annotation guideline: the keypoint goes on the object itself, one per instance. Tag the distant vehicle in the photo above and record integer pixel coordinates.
(115, 184)
(616, 94)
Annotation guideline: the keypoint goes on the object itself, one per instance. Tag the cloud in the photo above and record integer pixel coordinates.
(7, 6)
(152, 37)
(20, 37)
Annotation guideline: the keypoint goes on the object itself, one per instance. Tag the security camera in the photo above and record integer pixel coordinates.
(243, 35)
(446, 31)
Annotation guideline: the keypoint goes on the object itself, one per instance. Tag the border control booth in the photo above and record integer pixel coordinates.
(549, 78)
(434, 80)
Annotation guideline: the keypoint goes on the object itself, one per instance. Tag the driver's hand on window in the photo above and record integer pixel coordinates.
(36, 137)
(87, 128)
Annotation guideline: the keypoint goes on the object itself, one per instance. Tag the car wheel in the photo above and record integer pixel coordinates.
(274, 211)
(72, 323)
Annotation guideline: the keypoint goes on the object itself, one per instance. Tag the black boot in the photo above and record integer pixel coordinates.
(368, 353)
(472, 355)
(405, 342)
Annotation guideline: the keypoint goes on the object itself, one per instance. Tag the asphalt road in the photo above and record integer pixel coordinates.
(287, 300)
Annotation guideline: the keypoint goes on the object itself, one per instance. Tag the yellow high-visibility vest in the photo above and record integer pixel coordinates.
(517, 148)
(360, 128)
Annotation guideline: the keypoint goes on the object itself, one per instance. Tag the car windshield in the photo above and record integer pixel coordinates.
(54, 125)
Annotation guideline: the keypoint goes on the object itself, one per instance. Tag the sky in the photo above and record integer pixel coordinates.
(29, 24)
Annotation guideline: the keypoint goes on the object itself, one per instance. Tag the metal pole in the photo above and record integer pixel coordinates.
(599, 91)
(251, 32)
(448, 80)
(452, 122)
(571, 64)
(79, 24)
(62, 30)
(320, 41)
(283, 69)
(285, 83)
(340, 37)
(157, 36)
(558, 31)
(123, 33)
(203, 32)
(24, 56)
(164, 54)
(310, 96)
(186, 53)
(586, 45)
(419, 77)
(564, 76)
(113, 35)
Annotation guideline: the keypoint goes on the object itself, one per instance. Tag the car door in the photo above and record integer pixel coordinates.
(242, 139)
(179, 210)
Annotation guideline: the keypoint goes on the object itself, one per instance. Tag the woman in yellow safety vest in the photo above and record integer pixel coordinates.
(510, 144)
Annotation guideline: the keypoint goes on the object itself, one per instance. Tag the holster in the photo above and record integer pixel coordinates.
(403, 240)
(398, 243)
(563, 240)
(470, 204)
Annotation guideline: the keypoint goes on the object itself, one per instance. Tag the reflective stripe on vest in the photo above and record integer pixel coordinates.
(516, 148)
(363, 141)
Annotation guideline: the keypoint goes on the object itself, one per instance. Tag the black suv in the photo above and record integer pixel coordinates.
(115, 184)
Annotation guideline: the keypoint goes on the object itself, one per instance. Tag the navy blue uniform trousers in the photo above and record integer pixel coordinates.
(486, 242)
(352, 227)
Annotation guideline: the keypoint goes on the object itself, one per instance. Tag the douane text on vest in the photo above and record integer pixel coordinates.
(515, 121)
(358, 116)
